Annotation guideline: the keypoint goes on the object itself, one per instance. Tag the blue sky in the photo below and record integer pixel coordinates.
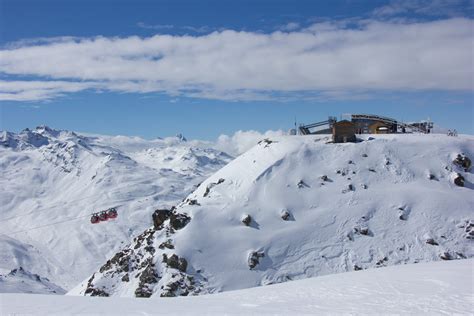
(157, 68)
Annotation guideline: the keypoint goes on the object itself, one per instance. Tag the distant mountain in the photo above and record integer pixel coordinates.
(21, 281)
(52, 180)
(299, 206)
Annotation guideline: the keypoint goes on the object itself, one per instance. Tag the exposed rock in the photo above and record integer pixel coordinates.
(364, 155)
(173, 261)
(120, 260)
(267, 142)
(254, 259)
(159, 216)
(364, 231)
(324, 178)
(211, 185)
(372, 170)
(285, 215)
(192, 202)
(179, 220)
(446, 256)
(350, 162)
(364, 186)
(463, 162)
(147, 277)
(95, 292)
(459, 180)
(431, 241)
(166, 244)
(432, 177)
(357, 268)
(301, 184)
(126, 278)
(381, 261)
(182, 264)
(246, 219)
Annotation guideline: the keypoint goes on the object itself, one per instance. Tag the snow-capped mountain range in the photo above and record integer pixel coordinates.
(52, 180)
(295, 207)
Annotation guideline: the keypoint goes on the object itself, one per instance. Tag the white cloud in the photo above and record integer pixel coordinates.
(242, 141)
(325, 59)
(292, 26)
(425, 7)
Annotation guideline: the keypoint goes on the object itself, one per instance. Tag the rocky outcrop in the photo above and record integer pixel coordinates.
(246, 219)
(459, 180)
(463, 162)
(254, 258)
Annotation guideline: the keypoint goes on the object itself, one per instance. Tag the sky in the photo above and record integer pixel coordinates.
(206, 68)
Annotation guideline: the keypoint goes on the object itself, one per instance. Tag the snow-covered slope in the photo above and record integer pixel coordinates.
(21, 281)
(430, 288)
(315, 208)
(52, 180)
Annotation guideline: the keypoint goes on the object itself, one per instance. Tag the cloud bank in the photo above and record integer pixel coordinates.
(329, 59)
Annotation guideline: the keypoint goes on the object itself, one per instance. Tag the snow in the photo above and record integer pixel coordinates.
(384, 218)
(51, 176)
(429, 288)
(21, 281)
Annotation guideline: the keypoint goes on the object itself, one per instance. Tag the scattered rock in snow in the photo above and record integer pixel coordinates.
(432, 177)
(459, 180)
(175, 262)
(302, 184)
(468, 226)
(246, 219)
(446, 256)
(159, 216)
(267, 142)
(364, 186)
(285, 215)
(431, 241)
(179, 220)
(324, 178)
(349, 188)
(166, 244)
(381, 262)
(147, 277)
(192, 202)
(463, 162)
(211, 185)
(402, 213)
(95, 292)
(362, 230)
(357, 268)
(254, 259)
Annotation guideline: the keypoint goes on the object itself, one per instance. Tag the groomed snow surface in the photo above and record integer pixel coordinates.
(428, 288)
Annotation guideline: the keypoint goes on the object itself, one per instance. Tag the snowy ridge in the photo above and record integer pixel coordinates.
(51, 176)
(310, 208)
(21, 281)
(426, 288)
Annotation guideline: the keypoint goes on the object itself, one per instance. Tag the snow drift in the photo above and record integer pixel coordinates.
(425, 288)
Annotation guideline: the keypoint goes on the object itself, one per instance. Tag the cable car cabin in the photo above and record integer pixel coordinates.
(95, 219)
(104, 216)
(343, 132)
(112, 213)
